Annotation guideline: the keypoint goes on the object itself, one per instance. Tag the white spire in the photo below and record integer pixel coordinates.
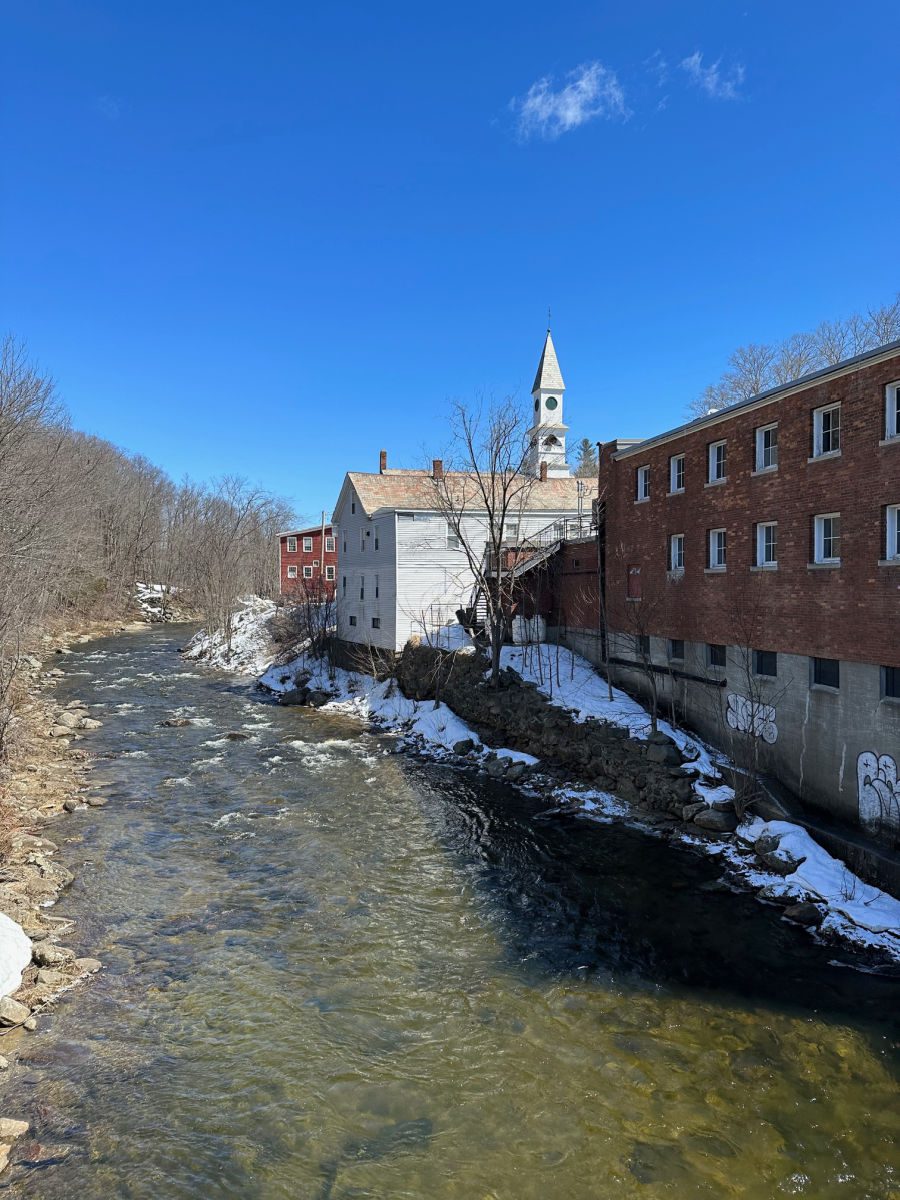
(548, 434)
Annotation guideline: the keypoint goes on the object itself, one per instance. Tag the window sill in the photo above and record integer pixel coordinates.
(715, 482)
(889, 562)
(893, 440)
(643, 500)
(764, 471)
(675, 573)
(891, 701)
(714, 570)
(828, 454)
(823, 566)
(680, 492)
(765, 567)
(825, 688)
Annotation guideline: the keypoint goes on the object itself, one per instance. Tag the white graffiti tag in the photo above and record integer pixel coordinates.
(748, 716)
(879, 792)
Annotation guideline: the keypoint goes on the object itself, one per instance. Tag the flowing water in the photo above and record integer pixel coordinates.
(331, 971)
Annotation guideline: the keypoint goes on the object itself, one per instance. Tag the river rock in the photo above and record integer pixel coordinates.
(516, 771)
(771, 855)
(70, 805)
(4, 1063)
(805, 913)
(12, 1012)
(294, 696)
(60, 731)
(69, 719)
(176, 722)
(97, 801)
(49, 977)
(497, 767)
(666, 755)
(89, 723)
(690, 810)
(463, 747)
(715, 821)
(88, 966)
(237, 737)
(48, 954)
(10, 1129)
(30, 1023)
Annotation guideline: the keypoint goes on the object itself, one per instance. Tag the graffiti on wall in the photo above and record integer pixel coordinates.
(879, 792)
(748, 716)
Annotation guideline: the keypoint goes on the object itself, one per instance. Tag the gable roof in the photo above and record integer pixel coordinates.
(415, 490)
(548, 376)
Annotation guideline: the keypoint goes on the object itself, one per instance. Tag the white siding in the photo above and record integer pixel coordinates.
(357, 530)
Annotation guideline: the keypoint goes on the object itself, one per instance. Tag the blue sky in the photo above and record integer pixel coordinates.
(270, 239)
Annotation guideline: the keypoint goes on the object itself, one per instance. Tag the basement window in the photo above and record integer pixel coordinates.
(715, 654)
(826, 672)
(765, 662)
(890, 683)
(642, 645)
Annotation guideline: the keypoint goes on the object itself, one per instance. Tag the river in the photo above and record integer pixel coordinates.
(333, 971)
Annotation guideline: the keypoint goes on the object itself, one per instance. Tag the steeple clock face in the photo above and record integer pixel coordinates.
(550, 403)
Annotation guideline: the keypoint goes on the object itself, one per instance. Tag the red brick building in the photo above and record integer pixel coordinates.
(306, 565)
(751, 559)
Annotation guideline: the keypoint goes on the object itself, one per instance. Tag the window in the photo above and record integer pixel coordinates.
(765, 662)
(345, 543)
(329, 545)
(375, 527)
(344, 585)
(292, 545)
(715, 654)
(307, 572)
(376, 587)
(826, 430)
(633, 586)
(643, 645)
(767, 544)
(676, 552)
(511, 531)
(892, 410)
(307, 545)
(767, 448)
(292, 572)
(452, 540)
(890, 683)
(351, 620)
(362, 539)
(827, 538)
(892, 531)
(376, 622)
(362, 587)
(826, 672)
(676, 648)
(315, 562)
(329, 572)
(717, 453)
(642, 485)
(676, 473)
(718, 543)
(353, 506)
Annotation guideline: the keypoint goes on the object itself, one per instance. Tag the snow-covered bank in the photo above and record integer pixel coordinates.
(15, 954)
(251, 649)
(778, 860)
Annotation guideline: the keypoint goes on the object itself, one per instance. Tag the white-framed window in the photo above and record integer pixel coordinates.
(718, 546)
(642, 486)
(329, 545)
(511, 530)
(767, 544)
(292, 572)
(315, 562)
(329, 572)
(826, 430)
(827, 538)
(676, 552)
(676, 473)
(767, 447)
(362, 587)
(892, 545)
(307, 545)
(307, 572)
(717, 457)
(292, 545)
(892, 410)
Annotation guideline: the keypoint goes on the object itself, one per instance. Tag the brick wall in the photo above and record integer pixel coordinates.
(849, 612)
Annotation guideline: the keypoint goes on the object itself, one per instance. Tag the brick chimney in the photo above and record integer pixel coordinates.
(437, 468)
(543, 472)
(382, 462)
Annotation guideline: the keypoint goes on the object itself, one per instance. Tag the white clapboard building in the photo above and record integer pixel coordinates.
(401, 570)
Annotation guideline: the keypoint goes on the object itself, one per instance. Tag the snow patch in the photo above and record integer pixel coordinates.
(251, 647)
(15, 954)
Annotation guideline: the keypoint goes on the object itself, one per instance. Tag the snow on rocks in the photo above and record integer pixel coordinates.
(251, 648)
(15, 954)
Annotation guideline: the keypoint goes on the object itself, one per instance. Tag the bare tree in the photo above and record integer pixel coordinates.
(485, 492)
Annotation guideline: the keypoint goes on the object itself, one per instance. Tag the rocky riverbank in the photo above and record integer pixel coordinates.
(45, 778)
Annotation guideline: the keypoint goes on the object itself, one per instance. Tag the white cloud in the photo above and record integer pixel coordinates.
(718, 84)
(591, 91)
(658, 67)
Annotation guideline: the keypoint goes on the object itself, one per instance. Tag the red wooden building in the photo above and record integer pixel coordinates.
(308, 561)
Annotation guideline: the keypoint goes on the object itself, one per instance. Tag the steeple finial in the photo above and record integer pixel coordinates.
(548, 318)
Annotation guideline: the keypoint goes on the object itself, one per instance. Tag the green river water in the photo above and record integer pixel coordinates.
(332, 971)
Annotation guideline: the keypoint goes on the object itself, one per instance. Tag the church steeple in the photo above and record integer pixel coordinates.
(548, 433)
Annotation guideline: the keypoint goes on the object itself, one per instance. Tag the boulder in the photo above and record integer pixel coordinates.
(690, 810)
(318, 698)
(52, 978)
(60, 731)
(463, 747)
(805, 913)
(10, 1129)
(716, 821)
(70, 805)
(12, 1012)
(497, 767)
(516, 771)
(666, 756)
(237, 737)
(294, 696)
(88, 966)
(48, 954)
(89, 723)
(770, 854)
(69, 719)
